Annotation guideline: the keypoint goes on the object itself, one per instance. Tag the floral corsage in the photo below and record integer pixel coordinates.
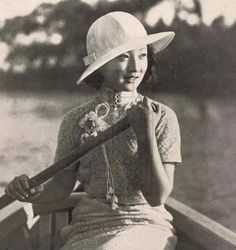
(93, 122)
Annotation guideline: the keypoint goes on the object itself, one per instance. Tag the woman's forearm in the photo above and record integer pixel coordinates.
(155, 184)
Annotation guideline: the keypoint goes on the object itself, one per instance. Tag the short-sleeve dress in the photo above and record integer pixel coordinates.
(133, 224)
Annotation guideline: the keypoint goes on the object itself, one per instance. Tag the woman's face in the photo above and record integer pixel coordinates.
(125, 72)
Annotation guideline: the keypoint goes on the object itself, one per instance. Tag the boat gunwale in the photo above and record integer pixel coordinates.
(200, 229)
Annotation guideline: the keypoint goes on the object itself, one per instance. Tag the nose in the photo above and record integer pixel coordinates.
(134, 64)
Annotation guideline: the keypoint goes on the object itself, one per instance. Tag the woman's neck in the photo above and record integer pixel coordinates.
(116, 97)
(106, 88)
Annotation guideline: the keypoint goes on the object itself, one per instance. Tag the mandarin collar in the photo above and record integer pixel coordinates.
(117, 99)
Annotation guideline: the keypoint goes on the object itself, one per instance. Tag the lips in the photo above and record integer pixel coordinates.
(131, 78)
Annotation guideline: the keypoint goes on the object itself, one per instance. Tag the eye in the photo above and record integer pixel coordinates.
(143, 55)
(123, 57)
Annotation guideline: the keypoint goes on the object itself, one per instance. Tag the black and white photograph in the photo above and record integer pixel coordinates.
(117, 125)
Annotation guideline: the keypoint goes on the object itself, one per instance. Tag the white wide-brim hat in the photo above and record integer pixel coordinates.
(116, 33)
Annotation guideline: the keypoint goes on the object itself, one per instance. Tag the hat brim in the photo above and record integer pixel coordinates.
(159, 42)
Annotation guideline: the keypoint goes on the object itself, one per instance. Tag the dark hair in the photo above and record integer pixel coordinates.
(96, 79)
(151, 66)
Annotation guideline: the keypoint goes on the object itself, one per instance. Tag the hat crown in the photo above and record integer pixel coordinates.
(111, 31)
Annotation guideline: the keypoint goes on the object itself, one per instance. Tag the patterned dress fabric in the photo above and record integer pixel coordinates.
(134, 225)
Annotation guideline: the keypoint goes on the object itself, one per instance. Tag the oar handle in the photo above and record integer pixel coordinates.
(72, 157)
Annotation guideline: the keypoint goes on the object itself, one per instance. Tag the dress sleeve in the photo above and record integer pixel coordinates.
(64, 139)
(68, 135)
(168, 137)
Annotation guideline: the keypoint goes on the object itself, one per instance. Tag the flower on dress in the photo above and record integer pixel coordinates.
(93, 123)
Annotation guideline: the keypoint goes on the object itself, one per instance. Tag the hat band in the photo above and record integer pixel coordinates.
(89, 59)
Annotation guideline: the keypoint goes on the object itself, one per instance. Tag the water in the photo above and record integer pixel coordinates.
(29, 124)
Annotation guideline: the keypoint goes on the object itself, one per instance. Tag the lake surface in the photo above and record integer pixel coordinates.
(29, 124)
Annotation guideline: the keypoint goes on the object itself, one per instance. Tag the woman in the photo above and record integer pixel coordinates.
(128, 179)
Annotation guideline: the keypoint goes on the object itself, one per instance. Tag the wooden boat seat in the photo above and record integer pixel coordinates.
(38, 227)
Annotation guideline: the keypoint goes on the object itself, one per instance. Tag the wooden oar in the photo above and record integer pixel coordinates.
(72, 157)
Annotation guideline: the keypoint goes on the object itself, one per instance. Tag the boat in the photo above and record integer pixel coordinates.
(26, 226)
(37, 227)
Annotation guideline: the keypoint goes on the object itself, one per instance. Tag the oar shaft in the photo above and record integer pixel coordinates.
(72, 157)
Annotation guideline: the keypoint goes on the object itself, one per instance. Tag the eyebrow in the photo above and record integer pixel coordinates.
(131, 50)
(127, 52)
(143, 49)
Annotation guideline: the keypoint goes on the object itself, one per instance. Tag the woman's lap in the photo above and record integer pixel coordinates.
(138, 237)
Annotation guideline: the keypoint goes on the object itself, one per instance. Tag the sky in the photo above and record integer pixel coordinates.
(211, 9)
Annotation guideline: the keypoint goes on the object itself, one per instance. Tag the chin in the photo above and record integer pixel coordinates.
(131, 88)
(122, 86)
(127, 87)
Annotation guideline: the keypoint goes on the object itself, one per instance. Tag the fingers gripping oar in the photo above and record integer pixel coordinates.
(72, 157)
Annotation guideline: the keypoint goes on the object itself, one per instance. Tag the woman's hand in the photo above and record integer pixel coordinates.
(144, 117)
(19, 189)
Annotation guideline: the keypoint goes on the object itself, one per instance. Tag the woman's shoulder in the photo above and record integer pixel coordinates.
(166, 111)
(77, 112)
(168, 121)
(69, 127)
